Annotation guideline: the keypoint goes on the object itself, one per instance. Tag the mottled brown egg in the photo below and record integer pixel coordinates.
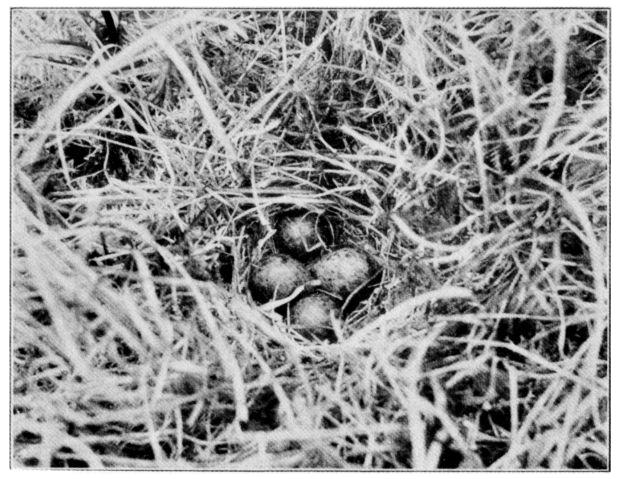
(312, 314)
(303, 233)
(342, 271)
(276, 277)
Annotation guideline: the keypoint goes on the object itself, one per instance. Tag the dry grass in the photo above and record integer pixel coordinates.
(464, 151)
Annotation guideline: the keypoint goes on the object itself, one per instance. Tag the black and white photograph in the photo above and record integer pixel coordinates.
(364, 239)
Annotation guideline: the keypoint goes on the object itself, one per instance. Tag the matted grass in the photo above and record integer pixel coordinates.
(465, 152)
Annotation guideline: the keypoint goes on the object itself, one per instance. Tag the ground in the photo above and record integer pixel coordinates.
(465, 153)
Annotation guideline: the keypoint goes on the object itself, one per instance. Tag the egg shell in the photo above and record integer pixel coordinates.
(312, 314)
(276, 277)
(342, 271)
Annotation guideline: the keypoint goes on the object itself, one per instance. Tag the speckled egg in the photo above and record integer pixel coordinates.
(342, 271)
(303, 233)
(276, 277)
(312, 314)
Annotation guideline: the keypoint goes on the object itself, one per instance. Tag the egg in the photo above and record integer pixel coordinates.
(342, 271)
(303, 233)
(312, 314)
(276, 277)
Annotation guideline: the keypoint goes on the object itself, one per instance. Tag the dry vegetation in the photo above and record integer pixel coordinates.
(464, 151)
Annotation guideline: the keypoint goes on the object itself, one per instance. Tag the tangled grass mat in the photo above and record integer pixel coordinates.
(462, 155)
